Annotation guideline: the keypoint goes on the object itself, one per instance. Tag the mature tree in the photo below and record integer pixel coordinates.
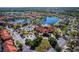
(73, 33)
(33, 43)
(53, 42)
(58, 49)
(19, 45)
(1, 27)
(71, 44)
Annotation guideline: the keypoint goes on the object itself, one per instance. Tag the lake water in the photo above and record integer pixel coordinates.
(47, 20)
(50, 20)
(20, 21)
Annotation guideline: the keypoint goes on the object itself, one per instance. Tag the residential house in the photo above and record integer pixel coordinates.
(8, 44)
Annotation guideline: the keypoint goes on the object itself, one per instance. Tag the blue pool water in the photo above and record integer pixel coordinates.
(50, 20)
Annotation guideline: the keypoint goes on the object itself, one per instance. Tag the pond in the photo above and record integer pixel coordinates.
(47, 20)
(50, 20)
(19, 21)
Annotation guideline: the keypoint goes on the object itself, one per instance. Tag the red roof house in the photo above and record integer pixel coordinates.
(44, 29)
(8, 44)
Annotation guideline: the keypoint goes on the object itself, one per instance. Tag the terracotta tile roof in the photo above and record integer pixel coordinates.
(8, 44)
(44, 29)
(9, 48)
(5, 34)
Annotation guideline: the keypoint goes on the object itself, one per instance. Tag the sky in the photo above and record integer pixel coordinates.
(39, 3)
